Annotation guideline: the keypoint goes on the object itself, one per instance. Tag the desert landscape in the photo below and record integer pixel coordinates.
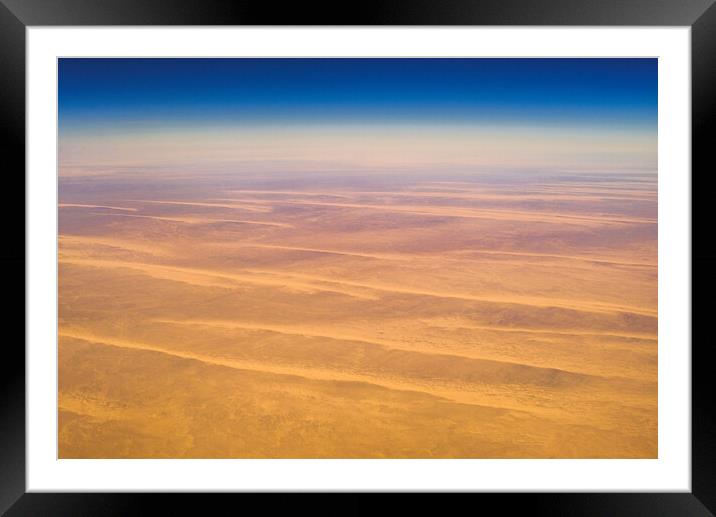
(480, 317)
(357, 258)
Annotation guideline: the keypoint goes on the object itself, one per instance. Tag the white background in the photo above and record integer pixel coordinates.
(671, 471)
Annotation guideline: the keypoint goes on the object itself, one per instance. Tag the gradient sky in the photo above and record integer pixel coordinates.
(229, 114)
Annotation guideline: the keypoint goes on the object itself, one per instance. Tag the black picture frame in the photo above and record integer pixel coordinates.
(16, 15)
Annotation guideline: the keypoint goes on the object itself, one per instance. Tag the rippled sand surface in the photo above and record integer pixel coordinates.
(358, 316)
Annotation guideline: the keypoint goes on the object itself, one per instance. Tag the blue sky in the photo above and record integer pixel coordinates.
(96, 92)
(359, 113)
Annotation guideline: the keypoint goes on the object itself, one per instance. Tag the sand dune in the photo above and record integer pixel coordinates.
(380, 256)
(77, 205)
(200, 220)
(413, 256)
(236, 206)
(294, 281)
(595, 260)
(575, 332)
(499, 215)
(582, 306)
(451, 378)
(257, 424)
(205, 277)
(406, 361)
(111, 242)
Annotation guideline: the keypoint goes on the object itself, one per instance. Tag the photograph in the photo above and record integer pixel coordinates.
(357, 258)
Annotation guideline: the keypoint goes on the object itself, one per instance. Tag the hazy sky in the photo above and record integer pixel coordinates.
(234, 115)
